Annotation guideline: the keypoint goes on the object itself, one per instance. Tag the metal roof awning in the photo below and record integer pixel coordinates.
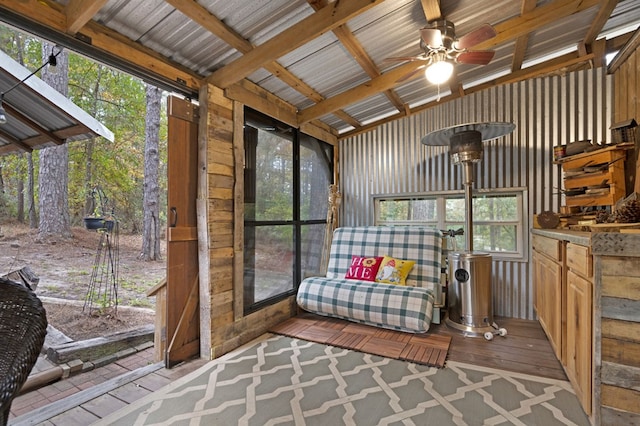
(38, 116)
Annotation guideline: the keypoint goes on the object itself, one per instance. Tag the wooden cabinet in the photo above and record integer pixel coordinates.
(591, 169)
(547, 276)
(579, 315)
(563, 280)
(579, 341)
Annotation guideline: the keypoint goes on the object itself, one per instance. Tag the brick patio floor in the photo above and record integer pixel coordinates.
(86, 397)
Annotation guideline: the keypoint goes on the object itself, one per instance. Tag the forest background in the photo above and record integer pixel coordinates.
(46, 194)
(125, 179)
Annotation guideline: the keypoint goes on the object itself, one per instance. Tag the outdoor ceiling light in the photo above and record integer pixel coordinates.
(3, 113)
(440, 70)
(52, 61)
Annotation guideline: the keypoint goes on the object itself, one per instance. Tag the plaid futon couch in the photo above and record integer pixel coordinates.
(408, 308)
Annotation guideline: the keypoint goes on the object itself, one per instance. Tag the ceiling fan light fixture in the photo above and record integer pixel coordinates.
(439, 71)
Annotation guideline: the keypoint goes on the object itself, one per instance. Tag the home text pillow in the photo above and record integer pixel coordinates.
(363, 268)
(394, 271)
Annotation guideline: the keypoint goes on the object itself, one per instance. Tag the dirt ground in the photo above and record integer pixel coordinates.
(78, 276)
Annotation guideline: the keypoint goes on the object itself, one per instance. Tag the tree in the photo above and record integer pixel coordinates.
(54, 163)
(116, 169)
(118, 101)
(33, 219)
(151, 208)
(20, 190)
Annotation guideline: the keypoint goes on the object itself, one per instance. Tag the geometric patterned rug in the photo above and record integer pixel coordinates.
(426, 348)
(277, 380)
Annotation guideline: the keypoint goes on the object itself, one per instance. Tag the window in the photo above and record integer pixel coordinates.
(286, 175)
(499, 217)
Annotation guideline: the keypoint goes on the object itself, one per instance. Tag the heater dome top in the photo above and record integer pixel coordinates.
(490, 130)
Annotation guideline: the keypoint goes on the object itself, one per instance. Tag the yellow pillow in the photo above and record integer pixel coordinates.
(394, 271)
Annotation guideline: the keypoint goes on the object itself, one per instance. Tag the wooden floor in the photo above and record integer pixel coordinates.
(525, 349)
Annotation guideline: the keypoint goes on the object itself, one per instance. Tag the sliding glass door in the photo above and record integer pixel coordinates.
(286, 184)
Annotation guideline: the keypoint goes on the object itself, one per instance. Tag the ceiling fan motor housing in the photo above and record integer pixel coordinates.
(466, 147)
(448, 34)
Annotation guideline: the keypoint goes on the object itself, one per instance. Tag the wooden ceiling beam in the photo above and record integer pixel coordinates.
(363, 91)
(521, 75)
(617, 43)
(522, 42)
(215, 26)
(49, 15)
(604, 12)
(356, 50)
(211, 23)
(326, 19)
(354, 47)
(79, 12)
(431, 10)
(506, 31)
(627, 47)
(7, 149)
(599, 49)
(546, 67)
(589, 43)
(116, 44)
(454, 84)
(103, 39)
(14, 113)
(534, 20)
(256, 97)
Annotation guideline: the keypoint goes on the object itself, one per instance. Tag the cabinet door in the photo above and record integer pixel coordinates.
(547, 278)
(579, 340)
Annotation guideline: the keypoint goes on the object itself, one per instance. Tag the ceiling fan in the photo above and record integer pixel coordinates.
(442, 49)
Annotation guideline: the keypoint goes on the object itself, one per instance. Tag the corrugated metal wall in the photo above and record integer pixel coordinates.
(547, 112)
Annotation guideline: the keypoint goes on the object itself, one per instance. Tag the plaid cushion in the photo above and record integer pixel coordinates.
(383, 305)
(424, 245)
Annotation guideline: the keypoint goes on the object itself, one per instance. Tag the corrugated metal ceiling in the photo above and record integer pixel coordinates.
(324, 64)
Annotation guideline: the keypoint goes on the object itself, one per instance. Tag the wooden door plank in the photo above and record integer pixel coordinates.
(179, 338)
(182, 236)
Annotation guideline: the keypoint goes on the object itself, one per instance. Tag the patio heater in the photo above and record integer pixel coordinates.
(469, 292)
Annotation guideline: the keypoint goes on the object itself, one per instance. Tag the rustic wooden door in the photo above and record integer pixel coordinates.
(182, 319)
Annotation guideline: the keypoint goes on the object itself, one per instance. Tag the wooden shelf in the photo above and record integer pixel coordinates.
(613, 158)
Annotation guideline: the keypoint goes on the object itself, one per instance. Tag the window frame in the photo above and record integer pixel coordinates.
(296, 222)
(521, 194)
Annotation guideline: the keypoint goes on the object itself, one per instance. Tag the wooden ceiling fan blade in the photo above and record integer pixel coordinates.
(411, 74)
(476, 57)
(431, 37)
(477, 36)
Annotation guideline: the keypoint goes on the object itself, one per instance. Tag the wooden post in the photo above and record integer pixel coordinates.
(332, 223)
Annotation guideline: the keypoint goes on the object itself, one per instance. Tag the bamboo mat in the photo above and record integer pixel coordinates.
(426, 349)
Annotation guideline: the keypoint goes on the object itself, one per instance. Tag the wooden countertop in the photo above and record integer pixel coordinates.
(576, 237)
(601, 243)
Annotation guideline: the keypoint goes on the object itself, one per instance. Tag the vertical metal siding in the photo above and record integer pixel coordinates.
(547, 112)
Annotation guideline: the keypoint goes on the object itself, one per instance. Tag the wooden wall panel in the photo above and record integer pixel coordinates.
(617, 327)
(626, 72)
(223, 323)
(627, 89)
